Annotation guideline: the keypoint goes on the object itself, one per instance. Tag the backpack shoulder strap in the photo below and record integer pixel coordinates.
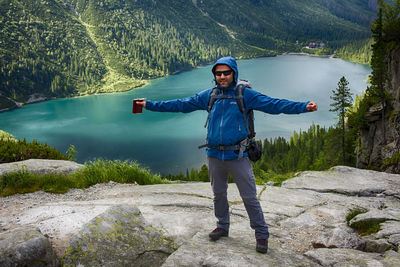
(239, 91)
(213, 98)
(211, 101)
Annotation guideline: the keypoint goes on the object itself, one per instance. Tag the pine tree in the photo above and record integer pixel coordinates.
(342, 101)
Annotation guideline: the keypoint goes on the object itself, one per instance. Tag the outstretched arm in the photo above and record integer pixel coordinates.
(256, 100)
(189, 104)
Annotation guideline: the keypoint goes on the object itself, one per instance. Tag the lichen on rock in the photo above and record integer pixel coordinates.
(118, 237)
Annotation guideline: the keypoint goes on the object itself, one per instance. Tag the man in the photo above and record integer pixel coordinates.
(227, 128)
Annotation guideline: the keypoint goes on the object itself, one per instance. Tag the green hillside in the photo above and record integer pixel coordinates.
(59, 48)
(45, 49)
(358, 51)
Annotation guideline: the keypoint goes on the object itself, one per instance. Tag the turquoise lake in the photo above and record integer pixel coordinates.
(102, 126)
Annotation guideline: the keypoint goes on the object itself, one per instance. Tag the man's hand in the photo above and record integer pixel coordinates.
(141, 102)
(312, 106)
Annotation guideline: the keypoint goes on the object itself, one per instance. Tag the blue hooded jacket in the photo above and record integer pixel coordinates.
(226, 125)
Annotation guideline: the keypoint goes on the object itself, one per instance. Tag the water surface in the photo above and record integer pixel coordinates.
(103, 126)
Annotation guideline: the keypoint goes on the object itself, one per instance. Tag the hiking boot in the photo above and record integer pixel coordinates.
(262, 245)
(218, 233)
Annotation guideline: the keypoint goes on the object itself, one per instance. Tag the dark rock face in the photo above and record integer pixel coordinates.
(375, 150)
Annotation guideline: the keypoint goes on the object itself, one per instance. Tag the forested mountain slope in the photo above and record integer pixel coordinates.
(57, 48)
(278, 24)
(359, 51)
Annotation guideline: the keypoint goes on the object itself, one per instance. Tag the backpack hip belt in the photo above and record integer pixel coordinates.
(241, 145)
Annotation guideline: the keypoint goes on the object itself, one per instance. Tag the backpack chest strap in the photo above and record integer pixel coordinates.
(224, 97)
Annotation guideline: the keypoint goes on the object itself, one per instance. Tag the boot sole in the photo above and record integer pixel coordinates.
(215, 238)
(262, 250)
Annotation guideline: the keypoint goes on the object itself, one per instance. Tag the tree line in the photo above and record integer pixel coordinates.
(359, 51)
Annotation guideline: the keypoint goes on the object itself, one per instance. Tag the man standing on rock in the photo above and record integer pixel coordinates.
(225, 132)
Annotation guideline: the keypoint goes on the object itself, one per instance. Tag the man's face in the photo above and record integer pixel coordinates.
(222, 77)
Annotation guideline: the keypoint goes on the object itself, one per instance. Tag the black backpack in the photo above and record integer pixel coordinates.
(249, 145)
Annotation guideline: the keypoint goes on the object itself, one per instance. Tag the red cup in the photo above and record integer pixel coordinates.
(137, 108)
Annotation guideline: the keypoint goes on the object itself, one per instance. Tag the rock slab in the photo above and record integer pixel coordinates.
(236, 250)
(118, 237)
(41, 166)
(348, 181)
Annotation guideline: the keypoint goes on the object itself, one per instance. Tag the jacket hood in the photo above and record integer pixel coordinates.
(231, 62)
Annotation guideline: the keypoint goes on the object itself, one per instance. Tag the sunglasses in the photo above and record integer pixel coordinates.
(225, 72)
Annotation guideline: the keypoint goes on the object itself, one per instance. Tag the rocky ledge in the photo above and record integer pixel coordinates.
(40, 166)
(118, 225)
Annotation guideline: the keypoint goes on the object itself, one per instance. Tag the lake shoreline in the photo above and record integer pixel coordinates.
(307, 54)
(36, 99)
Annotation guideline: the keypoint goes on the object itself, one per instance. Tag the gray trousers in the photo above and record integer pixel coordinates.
(242, 172)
